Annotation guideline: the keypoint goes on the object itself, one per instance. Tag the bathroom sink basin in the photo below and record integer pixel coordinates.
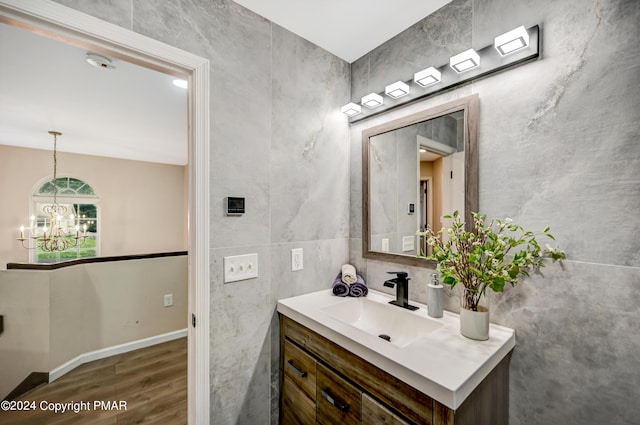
(396, 325)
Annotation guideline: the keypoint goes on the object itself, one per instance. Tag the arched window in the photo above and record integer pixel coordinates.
(79, 197)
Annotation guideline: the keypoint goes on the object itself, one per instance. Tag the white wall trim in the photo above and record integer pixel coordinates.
(103, 353)
(77, 28)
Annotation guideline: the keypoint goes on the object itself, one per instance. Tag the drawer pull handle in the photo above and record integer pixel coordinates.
(326, 394)
(297, 371)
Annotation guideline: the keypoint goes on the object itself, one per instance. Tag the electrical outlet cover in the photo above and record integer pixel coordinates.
(297, 260)
(385, 245)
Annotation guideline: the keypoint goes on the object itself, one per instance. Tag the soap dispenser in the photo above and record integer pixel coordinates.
(434, 297)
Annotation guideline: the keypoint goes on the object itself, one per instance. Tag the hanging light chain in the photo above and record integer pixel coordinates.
(55, 165)
(55, 237)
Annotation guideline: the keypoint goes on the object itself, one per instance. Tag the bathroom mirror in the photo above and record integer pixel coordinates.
(416, 169)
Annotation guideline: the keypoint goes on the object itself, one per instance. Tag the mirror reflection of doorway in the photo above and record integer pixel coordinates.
(426, 214)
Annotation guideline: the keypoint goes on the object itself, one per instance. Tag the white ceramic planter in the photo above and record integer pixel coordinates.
(475, 324)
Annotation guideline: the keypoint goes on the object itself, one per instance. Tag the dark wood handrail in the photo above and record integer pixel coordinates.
(54, 266)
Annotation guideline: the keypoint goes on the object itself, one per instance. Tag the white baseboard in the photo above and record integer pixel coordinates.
(112, 351)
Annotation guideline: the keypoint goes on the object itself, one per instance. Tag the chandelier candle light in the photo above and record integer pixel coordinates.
(57, 232)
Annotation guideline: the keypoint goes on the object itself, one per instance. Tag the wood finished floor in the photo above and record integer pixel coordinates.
(152, 381)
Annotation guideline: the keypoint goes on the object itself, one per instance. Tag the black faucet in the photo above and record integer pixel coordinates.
(401, 282)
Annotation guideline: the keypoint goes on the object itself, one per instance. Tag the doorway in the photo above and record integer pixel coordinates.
(62, 23)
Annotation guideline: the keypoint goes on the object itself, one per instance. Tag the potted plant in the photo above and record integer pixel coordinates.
(487, 257)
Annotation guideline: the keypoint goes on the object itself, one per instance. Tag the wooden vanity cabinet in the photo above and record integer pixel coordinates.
(322, 383)
(298, 401)
(295, 406)
(375, 413)
(338, 402)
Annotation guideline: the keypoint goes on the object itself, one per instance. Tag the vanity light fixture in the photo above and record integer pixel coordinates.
(512, 41)
(464, 61)
(372, 100)
(515, 47)
(396, 90)
(351, 109)
(427, 77)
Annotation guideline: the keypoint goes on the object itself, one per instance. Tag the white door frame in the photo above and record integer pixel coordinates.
(74, 27)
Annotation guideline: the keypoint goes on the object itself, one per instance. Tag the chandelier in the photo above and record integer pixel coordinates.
(59, 231)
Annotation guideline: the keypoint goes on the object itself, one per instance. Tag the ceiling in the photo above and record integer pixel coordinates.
(127, 112)
(347, 28)
(136, 113)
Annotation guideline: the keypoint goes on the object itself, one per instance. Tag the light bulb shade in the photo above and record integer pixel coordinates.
(512, 41)
(183, 84)
(427, 77)
(464, 61)
(396, 90)
(372, 100)
(351, 109)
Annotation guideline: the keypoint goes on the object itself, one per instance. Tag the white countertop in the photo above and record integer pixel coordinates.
(443, 364)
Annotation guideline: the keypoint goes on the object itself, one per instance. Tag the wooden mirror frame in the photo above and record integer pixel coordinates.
(470, 106)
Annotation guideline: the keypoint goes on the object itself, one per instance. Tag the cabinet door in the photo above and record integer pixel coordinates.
(374, 413)
(337, 401)
(297, 408)
(300, 367)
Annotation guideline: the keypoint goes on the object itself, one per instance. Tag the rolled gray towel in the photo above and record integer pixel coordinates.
(340, 288)
(349, 275)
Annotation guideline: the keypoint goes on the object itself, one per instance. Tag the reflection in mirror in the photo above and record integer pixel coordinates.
(415, 170)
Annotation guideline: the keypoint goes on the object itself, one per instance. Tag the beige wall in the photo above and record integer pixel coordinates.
(426, 170)
(51, 317)
(143, 205)
(24, 344)
(453, 187)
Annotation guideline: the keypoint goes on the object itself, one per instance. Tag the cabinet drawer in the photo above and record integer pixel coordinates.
(337, 402)
(374, 413)
(297, 408)
(300, 367)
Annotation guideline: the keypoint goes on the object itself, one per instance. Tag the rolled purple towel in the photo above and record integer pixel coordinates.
(340, 288)
(359, 288)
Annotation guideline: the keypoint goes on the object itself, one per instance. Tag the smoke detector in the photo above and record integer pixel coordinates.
(99, 61)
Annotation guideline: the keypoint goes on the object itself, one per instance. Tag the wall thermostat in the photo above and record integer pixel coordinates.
(233, 205)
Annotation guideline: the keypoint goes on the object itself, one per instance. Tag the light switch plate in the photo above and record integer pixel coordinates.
(240, 267)
(385, 244)
(297, 260)
(408, 243)
(168, 300)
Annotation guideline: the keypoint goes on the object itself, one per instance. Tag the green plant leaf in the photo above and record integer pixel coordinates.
(514, 271)
(449, 280)
(498, 284)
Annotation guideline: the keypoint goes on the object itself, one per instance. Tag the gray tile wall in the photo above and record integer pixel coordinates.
(558, 146)
(278, 138)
